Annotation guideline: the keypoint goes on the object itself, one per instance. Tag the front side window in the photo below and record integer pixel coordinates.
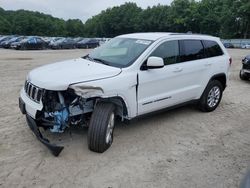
(119, 52)
(212, 48)
(168, 51)
(32, 40)
(39, 40)
(191, 50)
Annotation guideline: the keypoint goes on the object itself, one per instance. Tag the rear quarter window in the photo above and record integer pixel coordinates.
(191, 50)
(212, 48)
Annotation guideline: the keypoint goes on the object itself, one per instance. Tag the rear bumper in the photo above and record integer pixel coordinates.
(246, 72)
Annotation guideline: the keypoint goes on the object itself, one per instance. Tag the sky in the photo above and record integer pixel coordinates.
(73, 9)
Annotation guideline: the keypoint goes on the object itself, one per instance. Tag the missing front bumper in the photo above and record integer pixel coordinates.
(55, 150)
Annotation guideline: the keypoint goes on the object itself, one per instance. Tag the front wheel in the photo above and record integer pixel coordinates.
(101, 128)
(211, 97)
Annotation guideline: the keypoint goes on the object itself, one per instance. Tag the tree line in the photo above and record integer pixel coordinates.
(223, 18)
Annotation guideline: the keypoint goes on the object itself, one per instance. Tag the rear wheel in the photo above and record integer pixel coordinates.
(43, 47)
(211, 97)
(101, 128)
(23, 47)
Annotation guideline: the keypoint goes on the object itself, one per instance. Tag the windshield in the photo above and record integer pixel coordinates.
(13, 39)
(84, 40)
(120, 52)
(61, 40)
(20, 39)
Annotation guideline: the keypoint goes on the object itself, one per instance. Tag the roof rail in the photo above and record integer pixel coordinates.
(189, 33)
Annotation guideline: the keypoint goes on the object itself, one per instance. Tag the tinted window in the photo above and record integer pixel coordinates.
(169, 51)
(191, 50)
(32, 40)
(212, 48)
(39, 40)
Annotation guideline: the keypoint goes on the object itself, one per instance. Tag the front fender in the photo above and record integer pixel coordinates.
(122, 86)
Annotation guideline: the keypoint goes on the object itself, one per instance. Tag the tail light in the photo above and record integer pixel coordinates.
(230, 61)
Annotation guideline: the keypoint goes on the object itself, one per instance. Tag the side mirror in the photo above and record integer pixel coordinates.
(155, 63)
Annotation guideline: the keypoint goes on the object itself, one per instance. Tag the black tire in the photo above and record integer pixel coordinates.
(242, 75)
(23, 47)
(204, 104)
(98, 127)
(43, 47)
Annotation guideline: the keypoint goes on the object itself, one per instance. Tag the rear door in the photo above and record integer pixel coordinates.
(217, 61)
(39, 43)
(197, 66)
(30, 43)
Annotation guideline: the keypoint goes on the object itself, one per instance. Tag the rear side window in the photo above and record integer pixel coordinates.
(32, 40)
(212, 48)
(39, 40)
(168, 51)
(191, 50)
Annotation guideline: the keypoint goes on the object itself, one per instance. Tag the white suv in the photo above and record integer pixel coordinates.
(129, 76)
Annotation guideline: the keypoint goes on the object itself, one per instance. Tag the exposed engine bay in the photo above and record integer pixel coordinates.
(63, 109)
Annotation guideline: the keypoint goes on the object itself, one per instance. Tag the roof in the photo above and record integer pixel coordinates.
(146, 36)
(157, 35)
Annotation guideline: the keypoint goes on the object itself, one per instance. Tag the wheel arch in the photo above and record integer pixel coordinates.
(120, 104)
(221, 77)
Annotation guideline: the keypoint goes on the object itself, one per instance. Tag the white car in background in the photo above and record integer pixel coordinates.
(129, 76)
(246, 46)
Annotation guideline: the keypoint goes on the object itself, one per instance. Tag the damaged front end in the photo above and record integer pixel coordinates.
(62, 109)
(55, 150)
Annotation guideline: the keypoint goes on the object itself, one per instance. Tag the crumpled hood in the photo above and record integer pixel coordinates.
(58, 76)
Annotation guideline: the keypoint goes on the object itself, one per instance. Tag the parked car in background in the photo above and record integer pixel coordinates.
(228, 45)
(246, 46)
(88, 43)
(8, 43)
(30, 43)
(4, 38)
(64, 43)
(5, 43)
(245, 71)
(103, 41)
(53, 40)
(47, 39)
(78, 39)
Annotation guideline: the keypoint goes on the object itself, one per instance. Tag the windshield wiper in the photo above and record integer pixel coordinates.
(96, 60)
(101, 61)
(86, 57)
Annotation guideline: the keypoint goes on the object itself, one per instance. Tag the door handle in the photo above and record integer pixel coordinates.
(208, 64)
(179, 69)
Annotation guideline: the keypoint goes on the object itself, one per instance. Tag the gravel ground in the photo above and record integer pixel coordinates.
(179, 148)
